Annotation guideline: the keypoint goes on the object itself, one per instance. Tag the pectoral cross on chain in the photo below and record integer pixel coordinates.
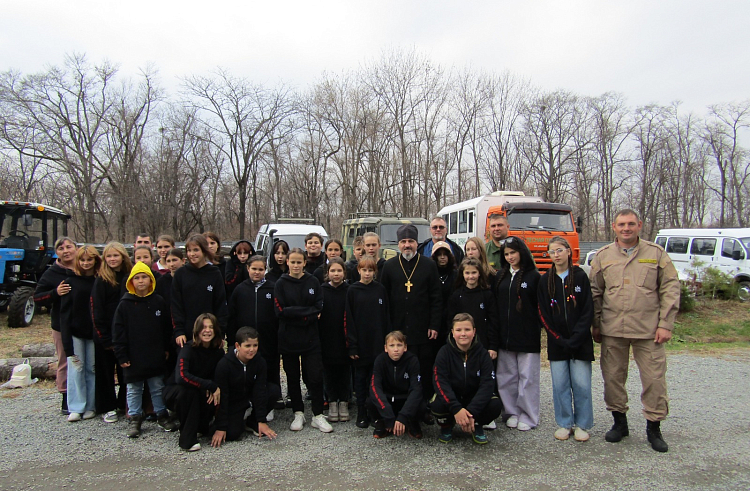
(408, 286)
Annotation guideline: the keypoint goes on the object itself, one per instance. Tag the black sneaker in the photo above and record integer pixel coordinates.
(414, 430)
(479, 436)
(279, 404)
(362, 420)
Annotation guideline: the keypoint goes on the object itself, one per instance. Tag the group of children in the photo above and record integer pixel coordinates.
(161, 325)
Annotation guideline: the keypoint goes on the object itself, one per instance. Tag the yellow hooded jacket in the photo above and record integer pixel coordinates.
(140, 268)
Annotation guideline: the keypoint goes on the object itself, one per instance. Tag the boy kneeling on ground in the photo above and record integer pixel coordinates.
(395, 390)
(242, 379)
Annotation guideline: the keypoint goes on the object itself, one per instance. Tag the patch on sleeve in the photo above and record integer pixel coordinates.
(650, 261)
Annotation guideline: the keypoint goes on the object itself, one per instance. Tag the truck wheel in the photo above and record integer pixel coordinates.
(743, 291)
(21, 308)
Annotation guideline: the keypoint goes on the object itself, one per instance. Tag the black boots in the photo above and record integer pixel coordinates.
(653, 433)
(619, 429)
(64, 405)
(134, 427)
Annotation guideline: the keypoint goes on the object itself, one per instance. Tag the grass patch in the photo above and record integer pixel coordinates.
(13, 339)
(717, 324)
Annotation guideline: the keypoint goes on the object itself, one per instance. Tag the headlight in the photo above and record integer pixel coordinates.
(16, 268)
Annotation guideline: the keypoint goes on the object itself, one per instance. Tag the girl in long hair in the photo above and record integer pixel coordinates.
(277, 261)
(474, 248)
(109, 287)
(566, 310)
(518, 359)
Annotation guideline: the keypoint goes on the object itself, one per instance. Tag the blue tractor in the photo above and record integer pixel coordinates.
(28, 232)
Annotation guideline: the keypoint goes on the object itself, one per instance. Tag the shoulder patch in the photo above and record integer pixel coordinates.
(650, 261)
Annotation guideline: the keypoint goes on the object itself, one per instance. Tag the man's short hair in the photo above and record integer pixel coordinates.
(437, 217)
(143, 235)
(245, 333)
(626, 212)
(498, 216)
(463, 317)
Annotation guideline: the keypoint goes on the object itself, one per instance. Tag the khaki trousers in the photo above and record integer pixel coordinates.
(651, 359)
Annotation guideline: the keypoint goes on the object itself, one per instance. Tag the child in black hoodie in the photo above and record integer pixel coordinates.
(336, 363)
(235, 270)
(464, 382)
(367, 322)
(251, 305)
(395, 399)
(141, 332)
(299, 301)
(197, 287)
(77, 334)
(241, 377)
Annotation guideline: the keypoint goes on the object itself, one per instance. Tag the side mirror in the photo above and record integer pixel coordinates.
(28, 220)
(736, 255)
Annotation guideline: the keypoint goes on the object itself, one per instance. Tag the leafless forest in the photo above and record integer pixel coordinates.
(399, 134)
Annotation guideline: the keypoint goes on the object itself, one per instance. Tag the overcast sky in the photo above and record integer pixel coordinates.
(651, 51)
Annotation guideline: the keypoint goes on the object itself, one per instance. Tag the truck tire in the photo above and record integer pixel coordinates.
(21, 308)
(743, 292)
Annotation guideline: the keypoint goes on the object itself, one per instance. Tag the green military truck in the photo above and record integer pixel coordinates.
(383, 224)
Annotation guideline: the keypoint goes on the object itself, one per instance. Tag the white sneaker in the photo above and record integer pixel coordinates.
(74, 417)
(562, 433)
(581, 435)
(491, 426)
(299, 421)
(512, 422)
(194, 448)
(110, 417)
(320, 423)
(89, 415)
(523, 427)
(269, 416)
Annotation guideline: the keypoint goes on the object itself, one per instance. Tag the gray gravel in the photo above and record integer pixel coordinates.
(708, 432)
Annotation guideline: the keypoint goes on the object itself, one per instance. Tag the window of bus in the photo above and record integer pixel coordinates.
(453, 225)
(729, 246)
(462, 221)
(703, 247)
(677, 245)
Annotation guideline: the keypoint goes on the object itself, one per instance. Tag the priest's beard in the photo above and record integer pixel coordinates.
(408, 255)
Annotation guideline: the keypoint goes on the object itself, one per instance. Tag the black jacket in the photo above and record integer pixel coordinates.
(104, 301)
(46, 295)
(568, 323)
(481, 305)
(519, 331)
(331, 325)
(235, 272)
(196, 366)
(241, 384)
(314, 263)
(396, 380)
(352, 274)
(464, 380)
(298, 301)
(458, 253)
(252, 305)
(367, 321)
(75, 311)
(141, 334)
(194, 292)
(421, 309)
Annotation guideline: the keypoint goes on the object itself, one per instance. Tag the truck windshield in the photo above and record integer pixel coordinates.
(541, 220)
(388, 233)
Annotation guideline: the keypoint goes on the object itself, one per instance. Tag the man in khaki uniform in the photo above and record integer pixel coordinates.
(499, 230)
(636, 297)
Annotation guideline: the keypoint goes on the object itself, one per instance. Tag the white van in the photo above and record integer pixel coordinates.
(723, 248)
(292, 233)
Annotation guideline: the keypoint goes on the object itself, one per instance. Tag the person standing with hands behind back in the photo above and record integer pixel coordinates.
(636, 296)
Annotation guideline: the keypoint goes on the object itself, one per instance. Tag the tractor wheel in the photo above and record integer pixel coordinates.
(4, 304)
(21, 308)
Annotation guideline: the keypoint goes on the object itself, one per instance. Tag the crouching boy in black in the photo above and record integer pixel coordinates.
(395, 400)
(464, 381)
(242, 379)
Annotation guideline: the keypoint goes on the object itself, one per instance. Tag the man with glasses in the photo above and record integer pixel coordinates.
(636, 296)
(439, 232)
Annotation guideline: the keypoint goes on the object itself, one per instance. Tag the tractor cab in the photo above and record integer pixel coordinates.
(28, 232)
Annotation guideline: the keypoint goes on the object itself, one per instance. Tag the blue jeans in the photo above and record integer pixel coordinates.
(571, 393)
(135, 396)
(81, 378)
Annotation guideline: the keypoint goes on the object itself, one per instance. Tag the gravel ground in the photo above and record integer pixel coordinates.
(708, 432)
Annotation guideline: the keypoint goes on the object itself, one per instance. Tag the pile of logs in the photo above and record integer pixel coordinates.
(41, 357)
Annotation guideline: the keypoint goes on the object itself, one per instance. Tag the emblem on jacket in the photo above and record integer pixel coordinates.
(406, 375)
(493, 374)
(311, 291)
(481, 305)
(524, 285)
(157, 313)
(268, 296)
(210, 288)
(380, 301)
(479, 373)
(419, 378)
(578, 289)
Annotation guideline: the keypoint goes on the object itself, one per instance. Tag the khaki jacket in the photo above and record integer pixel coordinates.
(493, 255)
(634, 295)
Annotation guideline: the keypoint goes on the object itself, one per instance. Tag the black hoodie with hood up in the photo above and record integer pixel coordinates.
(235, 272)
